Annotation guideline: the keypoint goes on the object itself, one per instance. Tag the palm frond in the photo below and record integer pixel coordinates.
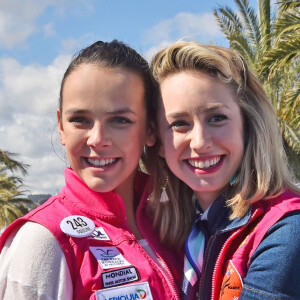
(6, 159)
(289, 4)
(264, 16)
(281, 55)
(291, 110)
(250, 21)
(232, 27)
(228, 21)
(286, 23)
(291, 136)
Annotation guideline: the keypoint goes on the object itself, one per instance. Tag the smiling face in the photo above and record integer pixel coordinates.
(201, 129)
(103, 126)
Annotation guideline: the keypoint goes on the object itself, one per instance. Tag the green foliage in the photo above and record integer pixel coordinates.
(270, 43)
(12, 199)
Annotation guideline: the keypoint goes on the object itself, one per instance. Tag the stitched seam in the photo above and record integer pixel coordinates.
(259, 292)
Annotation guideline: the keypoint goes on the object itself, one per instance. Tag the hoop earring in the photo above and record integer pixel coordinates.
(164, 198)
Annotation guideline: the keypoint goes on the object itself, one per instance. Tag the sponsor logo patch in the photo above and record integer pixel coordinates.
(99, 234)
(126, 292)
(119, 277)
(109, 257)
(232, 284)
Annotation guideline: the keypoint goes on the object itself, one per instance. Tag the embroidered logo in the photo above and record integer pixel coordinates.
(109, 257)
(99, 234)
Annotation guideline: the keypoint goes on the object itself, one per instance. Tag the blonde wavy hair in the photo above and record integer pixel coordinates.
(264, 172)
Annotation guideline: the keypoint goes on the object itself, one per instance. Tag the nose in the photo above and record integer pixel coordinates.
(200, 139)
(98, 137)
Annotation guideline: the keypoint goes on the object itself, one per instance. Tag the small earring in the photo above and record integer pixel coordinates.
(164, 198)
(232, 179)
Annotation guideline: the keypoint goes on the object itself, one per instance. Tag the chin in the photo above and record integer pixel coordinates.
(96, 186)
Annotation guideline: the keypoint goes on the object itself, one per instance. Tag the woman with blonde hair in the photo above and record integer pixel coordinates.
(220, 142)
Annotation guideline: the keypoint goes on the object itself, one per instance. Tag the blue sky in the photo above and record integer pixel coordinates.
(37, 40)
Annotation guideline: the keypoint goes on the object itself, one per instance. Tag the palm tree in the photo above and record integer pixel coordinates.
(271, 44)
(284, 58)
(7, 160)
(286, 44)
(12, 199)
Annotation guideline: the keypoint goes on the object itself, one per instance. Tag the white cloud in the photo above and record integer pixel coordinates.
(18, 18)
(28, 101)
(151, 51)
(202, 27)
(49, 30)
(74, 45)
(31, 89)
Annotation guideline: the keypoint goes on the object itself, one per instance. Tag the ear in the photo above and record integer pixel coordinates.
(151, 136)
(60, 128)
(150, 139)
(161, 151)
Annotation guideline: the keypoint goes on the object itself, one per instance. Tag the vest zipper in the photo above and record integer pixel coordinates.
(220, 257)
(169, 279)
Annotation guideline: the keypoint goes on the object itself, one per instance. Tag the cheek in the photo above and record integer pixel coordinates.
(172, 144)
(131, 140)
(178, 141)
(74, 140)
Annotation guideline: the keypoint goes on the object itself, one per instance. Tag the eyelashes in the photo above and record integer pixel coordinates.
(214, 120)
(121, 120)
(178, 124)
(218, 118)
(114, 121)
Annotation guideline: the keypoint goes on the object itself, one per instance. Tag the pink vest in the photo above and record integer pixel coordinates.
(136, 279)
(233, 262)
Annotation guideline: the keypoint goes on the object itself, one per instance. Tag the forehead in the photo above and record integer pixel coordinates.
(193, 89)
(91, 85)
(98, 72)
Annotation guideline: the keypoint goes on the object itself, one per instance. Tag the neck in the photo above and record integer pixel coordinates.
(126, 191)
(205, 200)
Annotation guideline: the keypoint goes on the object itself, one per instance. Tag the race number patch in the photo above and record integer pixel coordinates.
(109, 257)
(119, 277)
(77, 226)
(129, 291)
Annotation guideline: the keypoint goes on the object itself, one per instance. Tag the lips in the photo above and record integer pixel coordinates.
(95, 162)
(205, 163)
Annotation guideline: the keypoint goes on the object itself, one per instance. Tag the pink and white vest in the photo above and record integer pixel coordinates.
(132, 274)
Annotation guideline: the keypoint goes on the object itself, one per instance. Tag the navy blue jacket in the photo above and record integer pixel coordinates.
(265, 258)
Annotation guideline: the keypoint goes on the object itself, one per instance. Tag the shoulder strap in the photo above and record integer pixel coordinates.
(273, 213)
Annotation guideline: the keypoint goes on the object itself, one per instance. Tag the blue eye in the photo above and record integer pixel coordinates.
(79, 120)
(218, 118)
(178, 124)
(121, 120)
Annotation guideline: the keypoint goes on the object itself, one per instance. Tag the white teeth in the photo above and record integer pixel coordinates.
(101, 162)
(204, 164)
(200, 164)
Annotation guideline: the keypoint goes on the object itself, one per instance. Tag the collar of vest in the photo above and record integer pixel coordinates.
(286, 202)
(103, 205)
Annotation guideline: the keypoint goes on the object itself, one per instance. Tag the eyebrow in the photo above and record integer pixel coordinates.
(204, 108)
(120, 111)
(177, 115)
(211, 107)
